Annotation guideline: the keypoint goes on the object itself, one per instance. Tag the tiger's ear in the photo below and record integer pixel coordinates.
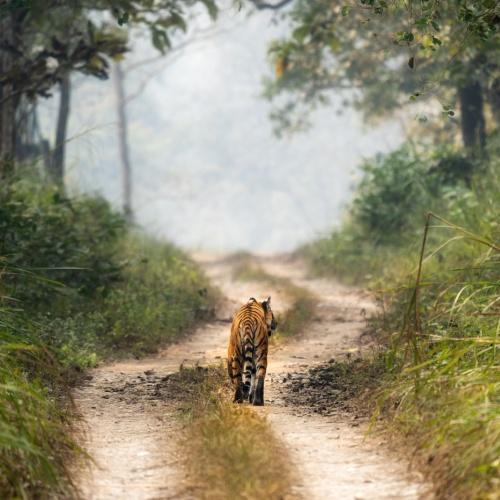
(267, 303)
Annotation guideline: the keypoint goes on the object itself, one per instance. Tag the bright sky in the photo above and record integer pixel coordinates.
(208, 172)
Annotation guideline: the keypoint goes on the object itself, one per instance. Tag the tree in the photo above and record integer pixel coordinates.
(121, 104)
(39, 52)
(120, 74)
(57, 161)
(36, 51)
(383, 55)
(7, 94)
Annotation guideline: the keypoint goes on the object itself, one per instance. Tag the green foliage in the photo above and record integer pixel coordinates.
(441, 387)
(76, 287)
(385, 54)
(390, 203)
(160, 295)
(65, 245)
(34, 428)
(52, 38)
(392, 193)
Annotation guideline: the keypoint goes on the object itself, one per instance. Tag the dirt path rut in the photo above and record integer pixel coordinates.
(131, 431)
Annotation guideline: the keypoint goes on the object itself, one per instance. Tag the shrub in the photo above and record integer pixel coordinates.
(394, 191)
(56, 246)
(161, 293)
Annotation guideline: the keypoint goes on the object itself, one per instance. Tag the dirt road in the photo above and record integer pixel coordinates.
(131, 431)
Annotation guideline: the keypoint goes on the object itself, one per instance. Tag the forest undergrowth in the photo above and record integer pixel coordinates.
(77, 286)
(423, 232)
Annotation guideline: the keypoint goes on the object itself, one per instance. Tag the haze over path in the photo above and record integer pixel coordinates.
(208, 172)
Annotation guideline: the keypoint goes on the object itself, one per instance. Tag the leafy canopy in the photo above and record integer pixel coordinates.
(50, 38)
(385, 53)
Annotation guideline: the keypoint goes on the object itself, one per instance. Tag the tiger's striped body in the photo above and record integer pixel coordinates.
(247, 353)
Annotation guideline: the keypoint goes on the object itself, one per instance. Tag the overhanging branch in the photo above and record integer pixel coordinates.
(258, 4)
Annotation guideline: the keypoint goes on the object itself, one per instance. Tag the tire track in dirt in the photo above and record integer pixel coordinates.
(131, 429)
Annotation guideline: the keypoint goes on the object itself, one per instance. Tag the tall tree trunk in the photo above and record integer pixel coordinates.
(494, 100)
(121, 104)
(7, 95)
(58, 158)
(472, 116)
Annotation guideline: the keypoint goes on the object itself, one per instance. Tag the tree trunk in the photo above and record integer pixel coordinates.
(58, 158)
(7, 96)
(123, 140)
(472, 116)
(494, 100)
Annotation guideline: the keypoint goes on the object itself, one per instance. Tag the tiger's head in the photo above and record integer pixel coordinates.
(270, 319)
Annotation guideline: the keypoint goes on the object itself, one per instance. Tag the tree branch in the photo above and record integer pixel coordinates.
(258, 4)
(170, 57)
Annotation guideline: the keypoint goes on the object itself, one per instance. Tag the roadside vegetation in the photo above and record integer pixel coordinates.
(77, 286)
(439, 321)
(230, 450)
(302, 302)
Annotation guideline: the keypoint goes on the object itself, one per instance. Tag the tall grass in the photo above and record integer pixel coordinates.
(35, 439)
(438, 282)
(443, 384)
(158, 295)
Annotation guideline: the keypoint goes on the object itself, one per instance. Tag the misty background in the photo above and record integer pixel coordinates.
(207, 170)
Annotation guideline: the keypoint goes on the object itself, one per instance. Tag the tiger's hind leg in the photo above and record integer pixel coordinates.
(252, 386)
(234, 369)
(258, 396)
(238, 393)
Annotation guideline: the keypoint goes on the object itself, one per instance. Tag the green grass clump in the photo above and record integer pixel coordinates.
(158, 294)
(76, 286)
(441, 383)
(443, 380)
(35, 438)
(161, 294)
(231, 452)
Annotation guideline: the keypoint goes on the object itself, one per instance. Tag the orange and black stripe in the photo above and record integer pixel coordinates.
(247, 353)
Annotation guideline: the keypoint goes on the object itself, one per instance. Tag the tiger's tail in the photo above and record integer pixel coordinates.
(248, 360)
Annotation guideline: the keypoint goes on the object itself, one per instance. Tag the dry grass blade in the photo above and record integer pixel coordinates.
(231, 452)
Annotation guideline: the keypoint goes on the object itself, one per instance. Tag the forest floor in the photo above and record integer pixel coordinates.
(131, 426)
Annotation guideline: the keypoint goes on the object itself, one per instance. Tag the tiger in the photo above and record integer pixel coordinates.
(251, 328)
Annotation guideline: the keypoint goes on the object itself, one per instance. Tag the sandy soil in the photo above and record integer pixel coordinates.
(131, 430)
